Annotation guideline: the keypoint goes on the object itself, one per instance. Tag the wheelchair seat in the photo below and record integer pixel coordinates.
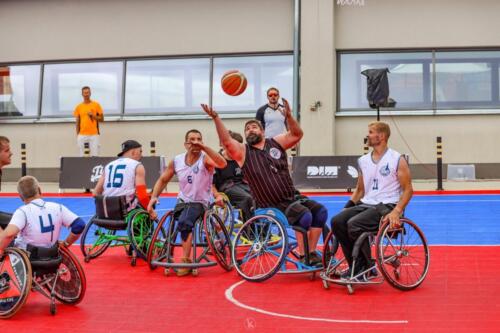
(44, 260)
(4, 219)
(111, 212)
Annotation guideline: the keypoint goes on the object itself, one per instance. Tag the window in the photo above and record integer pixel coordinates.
(464, 80)
(159, 86)
(62, 85)
(410, 82)
(262, 72)
(19, 90)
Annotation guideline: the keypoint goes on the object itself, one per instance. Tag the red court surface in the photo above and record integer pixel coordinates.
(460, 294)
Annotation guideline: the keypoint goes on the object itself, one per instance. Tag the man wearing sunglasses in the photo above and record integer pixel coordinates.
(264, 164)
(272, 115)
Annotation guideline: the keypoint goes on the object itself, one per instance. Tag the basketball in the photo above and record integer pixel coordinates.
(233, 83)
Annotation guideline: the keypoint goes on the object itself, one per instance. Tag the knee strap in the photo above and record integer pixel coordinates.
(319, 217)
(305, 220)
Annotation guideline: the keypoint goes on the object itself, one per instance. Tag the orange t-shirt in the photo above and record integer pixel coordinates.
(87, 125)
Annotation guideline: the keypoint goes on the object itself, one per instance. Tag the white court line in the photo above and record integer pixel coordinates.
(230, 298)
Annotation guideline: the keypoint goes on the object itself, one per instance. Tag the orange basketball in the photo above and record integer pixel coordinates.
(233, 82)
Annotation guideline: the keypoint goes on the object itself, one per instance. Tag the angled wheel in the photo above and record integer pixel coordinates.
(15, 281)
(218, 239)
(333, 257)
(402, 255)
(95, 240)
(140, 229)
(260, 248)
(71, 283)
(157, 251)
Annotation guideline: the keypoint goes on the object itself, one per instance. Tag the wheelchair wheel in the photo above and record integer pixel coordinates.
(94, 240)
(15, 281)
(402, 255)
(71, 282)
(218, 239)
(260, 248)
(159, 242)
(333, 257)
(140, 229)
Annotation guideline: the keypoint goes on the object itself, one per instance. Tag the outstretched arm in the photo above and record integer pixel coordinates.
(294, 134)
(235, 149)
(213, 158)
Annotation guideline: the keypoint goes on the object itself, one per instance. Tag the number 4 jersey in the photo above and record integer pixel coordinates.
(40, 223)
(119, 179)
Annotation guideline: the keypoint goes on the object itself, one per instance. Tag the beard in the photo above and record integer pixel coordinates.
(253, 139)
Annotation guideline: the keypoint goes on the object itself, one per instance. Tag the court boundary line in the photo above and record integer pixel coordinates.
(229, 296)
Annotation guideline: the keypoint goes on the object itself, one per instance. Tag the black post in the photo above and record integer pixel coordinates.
(378, 113)
(439, 149)
(365, 148)
(86, 149)
(152, 148)
(23, 159)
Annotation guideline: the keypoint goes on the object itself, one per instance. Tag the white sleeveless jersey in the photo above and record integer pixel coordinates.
(195, 181)
(381, 179)
(119, 179)
(40, 223)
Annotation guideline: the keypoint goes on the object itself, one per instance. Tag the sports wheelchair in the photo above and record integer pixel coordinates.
(114, 226)
(402, 258)
(54, 272)
(262, 247)
(230, 215)
(210, 238)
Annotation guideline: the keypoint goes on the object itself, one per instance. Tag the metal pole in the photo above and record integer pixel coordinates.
(23, 159)
(439, 150)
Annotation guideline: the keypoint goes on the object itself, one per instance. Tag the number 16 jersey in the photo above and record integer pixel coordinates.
(119, 179)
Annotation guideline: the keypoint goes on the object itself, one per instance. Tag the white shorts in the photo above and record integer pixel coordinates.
(93, 141)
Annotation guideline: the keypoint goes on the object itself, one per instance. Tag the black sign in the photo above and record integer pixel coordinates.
(84, 172)
(325, 172)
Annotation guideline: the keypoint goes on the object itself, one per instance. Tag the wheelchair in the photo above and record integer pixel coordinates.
(402, 258)
(210, 239)
(230, 215)
(54, 272)
(263, 247)
(114, 226)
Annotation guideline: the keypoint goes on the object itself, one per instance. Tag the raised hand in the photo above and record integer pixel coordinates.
(209, 111)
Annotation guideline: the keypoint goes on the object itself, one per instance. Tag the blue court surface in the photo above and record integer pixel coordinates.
(444, 219)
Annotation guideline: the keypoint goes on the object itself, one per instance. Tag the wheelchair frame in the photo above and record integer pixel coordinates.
(386, 267)
(250, 243)
(209, 232)
(50, 284)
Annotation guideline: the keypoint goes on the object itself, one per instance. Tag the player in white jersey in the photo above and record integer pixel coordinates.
(38, 222)
(384, 189)
(194, 169)
(125, 176)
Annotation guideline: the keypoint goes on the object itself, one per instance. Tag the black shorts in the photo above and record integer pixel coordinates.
(187, 214)
(294, 209)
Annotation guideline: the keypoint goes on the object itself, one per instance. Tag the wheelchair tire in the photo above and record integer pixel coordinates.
(403, 255)
(16, 277)
(266, 251)
(140, 230)
(91, 230)
(71, 283)
(218, 239)
(158, 246)
(333, 250)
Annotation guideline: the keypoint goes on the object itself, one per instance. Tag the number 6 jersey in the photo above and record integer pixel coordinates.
(40, 223)
(195, 181)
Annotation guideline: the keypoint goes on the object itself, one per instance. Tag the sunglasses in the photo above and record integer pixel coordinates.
(272, 95)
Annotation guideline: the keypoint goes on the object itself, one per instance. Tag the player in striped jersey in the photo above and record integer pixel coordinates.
(265, 166)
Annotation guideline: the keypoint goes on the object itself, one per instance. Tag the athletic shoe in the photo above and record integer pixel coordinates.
(184, 271)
